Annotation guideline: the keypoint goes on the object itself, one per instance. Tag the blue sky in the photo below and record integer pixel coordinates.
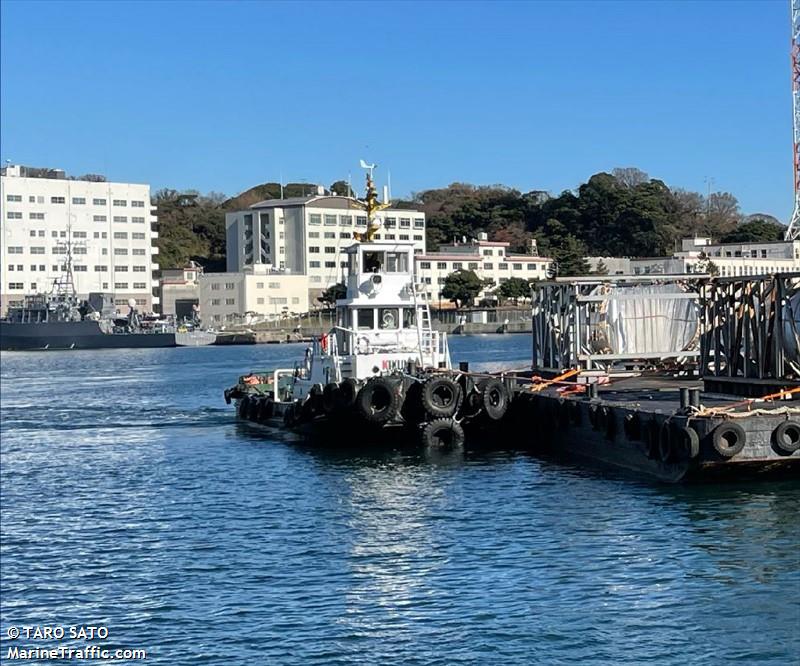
(222, 96)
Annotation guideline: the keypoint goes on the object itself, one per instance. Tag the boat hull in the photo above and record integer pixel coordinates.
(75, 335)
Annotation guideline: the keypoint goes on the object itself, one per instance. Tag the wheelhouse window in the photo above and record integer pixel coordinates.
(374, 261)
(365, 319)
(409, 318)
(397, 262)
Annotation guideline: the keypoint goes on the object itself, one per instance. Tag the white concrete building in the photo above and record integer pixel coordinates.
(111, 227)
(731, 259)
(226, 298)
(307, 235)
(179, 290)
(487, 259)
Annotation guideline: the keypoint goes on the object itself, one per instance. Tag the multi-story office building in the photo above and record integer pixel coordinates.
(307, 235)
(225, 298)
(487, 259)
(109, 227)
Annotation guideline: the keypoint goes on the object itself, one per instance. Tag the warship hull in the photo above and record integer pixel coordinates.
(51, 336)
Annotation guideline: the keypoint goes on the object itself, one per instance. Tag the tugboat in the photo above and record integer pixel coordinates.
(382, 366)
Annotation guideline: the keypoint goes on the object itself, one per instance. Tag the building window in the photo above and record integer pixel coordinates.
(214, 301)
(215, 286)
(503, 266)
(390, 223)
(36, 216)
(330, 264)
(278, 300)
(78, 201)
(457, 265)
(137, 204)
(139, 285)
(137, 220)
(15, 249)
(137, 235)
(79, 269)
(424, 265)
(138, 251)
(120, 235)
(120, 269)
(418, 237)
(516, 267)
(473, 266)
(361, 220)
(120, 285)
(315, 218)
(427, 280)
(313, 234)
(79, 234)
(330, 250)
(488, 267)
(440, 280)
(39, 250)
(344, 234)
(346, 220)
(121, 203)
(33, 233)
(405, 222)
(230, 301)
(316, 278)
(260, 301)
(330, 234)
(274, 285)
(15, 285)
(101, 269)
(79, 250)
(330, 220)
(99, 202)
(121, 251)
(403, 236)
(763, 254)
(313, 249)
(139, 269)
(487, 253)
(120, 218)
(313, 264)
(99, 218)
(419, 223)
(14, 197)
(441, 265)
(391, 237)
(13, 215)
(230, 285)
(57, 200)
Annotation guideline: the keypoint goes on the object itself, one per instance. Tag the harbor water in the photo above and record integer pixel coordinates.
(133, 499)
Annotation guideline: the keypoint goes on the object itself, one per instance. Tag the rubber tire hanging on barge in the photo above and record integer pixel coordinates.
(378, 401)
(495, 398)
(728, 439)
(441, 397)
(329, 398)
(346, 395)
(443, 434)
(244, 407)
(787, 436)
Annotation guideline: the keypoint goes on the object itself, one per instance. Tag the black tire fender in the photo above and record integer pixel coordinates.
(443, 434)
(346, 395)
(378, 401)
(329, 398)
(685, 442)
(265, 413)
(632, 424)
(728, 439)
(787, 437)
(244, 407)
(495, 398)
(441, 397)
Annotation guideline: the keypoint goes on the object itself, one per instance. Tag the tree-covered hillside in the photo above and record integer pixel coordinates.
(622, 213)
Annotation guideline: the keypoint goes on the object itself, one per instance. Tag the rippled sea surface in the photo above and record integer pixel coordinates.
(131, 498)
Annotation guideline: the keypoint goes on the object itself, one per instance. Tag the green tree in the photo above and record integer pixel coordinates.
(514, 289)
(342, 188)
(755, 231)
(462, 287)
(332, 294)
(601, 268)
(570, 256)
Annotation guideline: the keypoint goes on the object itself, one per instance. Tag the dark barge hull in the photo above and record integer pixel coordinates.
(75, 335)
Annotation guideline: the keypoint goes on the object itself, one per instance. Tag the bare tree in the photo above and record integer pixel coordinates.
(630, 177)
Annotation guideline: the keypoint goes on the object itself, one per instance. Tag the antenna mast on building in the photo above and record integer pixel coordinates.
(793, 232)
